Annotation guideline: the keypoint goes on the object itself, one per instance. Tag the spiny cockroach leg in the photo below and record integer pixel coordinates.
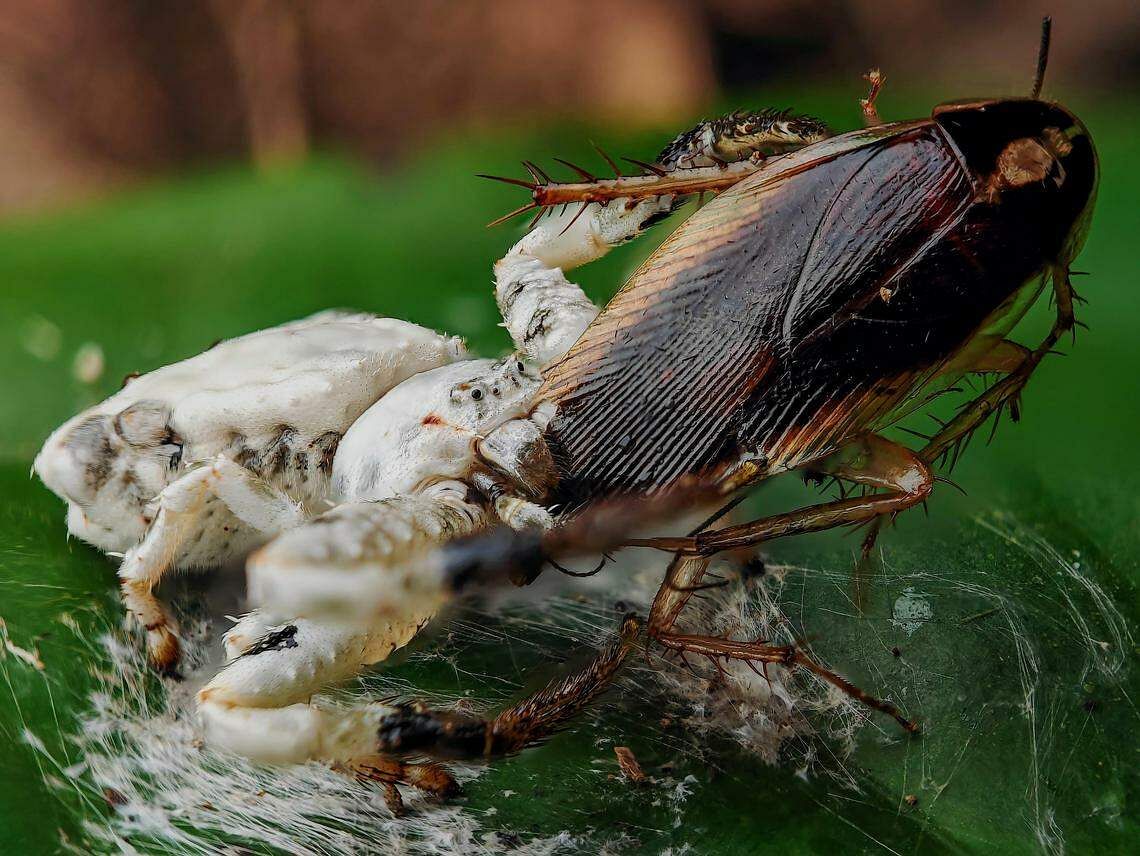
(414, 729)
(574, 219)
(872, 460)
(429, 777)
(949, 481)
(529, 206)
(607, 159)
(393, 800)
(533, 170)
(540, 175)
(679, 182)
(681, 580)
(865, 565)
(788, 656)
(529, 185)
(957, 431)
(654, 168)
(738, 146)
(585, 174)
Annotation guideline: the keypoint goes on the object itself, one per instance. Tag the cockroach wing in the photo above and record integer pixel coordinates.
(760, 318)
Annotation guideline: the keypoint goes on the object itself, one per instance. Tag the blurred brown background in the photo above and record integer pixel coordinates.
(97, 93)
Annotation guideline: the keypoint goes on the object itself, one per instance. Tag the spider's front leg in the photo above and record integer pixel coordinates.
(211, 514)
(362, 572)
(373, 575)
(543, 311)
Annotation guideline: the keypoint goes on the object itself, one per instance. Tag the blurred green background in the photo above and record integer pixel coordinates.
(160, 273)
(1022, 673)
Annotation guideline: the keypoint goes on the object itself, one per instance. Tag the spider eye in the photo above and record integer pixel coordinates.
(520, 367)
(476, 394)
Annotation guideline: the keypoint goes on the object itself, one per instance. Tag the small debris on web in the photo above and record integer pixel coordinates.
(138, 747)
(627, 763)
(29, 657)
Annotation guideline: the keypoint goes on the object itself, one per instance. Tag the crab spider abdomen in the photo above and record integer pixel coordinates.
(277, 402)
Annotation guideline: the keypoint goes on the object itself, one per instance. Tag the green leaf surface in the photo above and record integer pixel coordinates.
(1013, 609)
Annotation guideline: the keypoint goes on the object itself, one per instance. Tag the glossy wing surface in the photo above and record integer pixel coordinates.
(701, 356)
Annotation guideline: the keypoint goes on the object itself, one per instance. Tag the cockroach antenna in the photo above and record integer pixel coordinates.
(1042, 56)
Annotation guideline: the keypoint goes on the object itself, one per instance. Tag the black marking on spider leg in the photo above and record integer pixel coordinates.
(279, 450)
(90, 443)
(537, 324)
(512, 294)
(276, 640)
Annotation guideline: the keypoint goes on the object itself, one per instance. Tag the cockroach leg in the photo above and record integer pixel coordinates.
(1005, 357)
(429, 777)
(865, 564)
(1004, 393)
(414, 729)
(681, 579)
(706, 159)
(872, 461)
(788, 656)
(870, 111)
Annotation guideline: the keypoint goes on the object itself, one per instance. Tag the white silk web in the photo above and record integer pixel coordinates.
(971, 651)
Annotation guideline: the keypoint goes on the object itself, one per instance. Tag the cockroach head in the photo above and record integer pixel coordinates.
(1031, 154)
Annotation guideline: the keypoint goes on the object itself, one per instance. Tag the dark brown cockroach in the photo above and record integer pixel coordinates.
(820, 296)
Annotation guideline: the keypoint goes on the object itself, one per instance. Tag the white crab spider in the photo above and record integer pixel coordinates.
(201, 462)
(197, 463)
(442, 455)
